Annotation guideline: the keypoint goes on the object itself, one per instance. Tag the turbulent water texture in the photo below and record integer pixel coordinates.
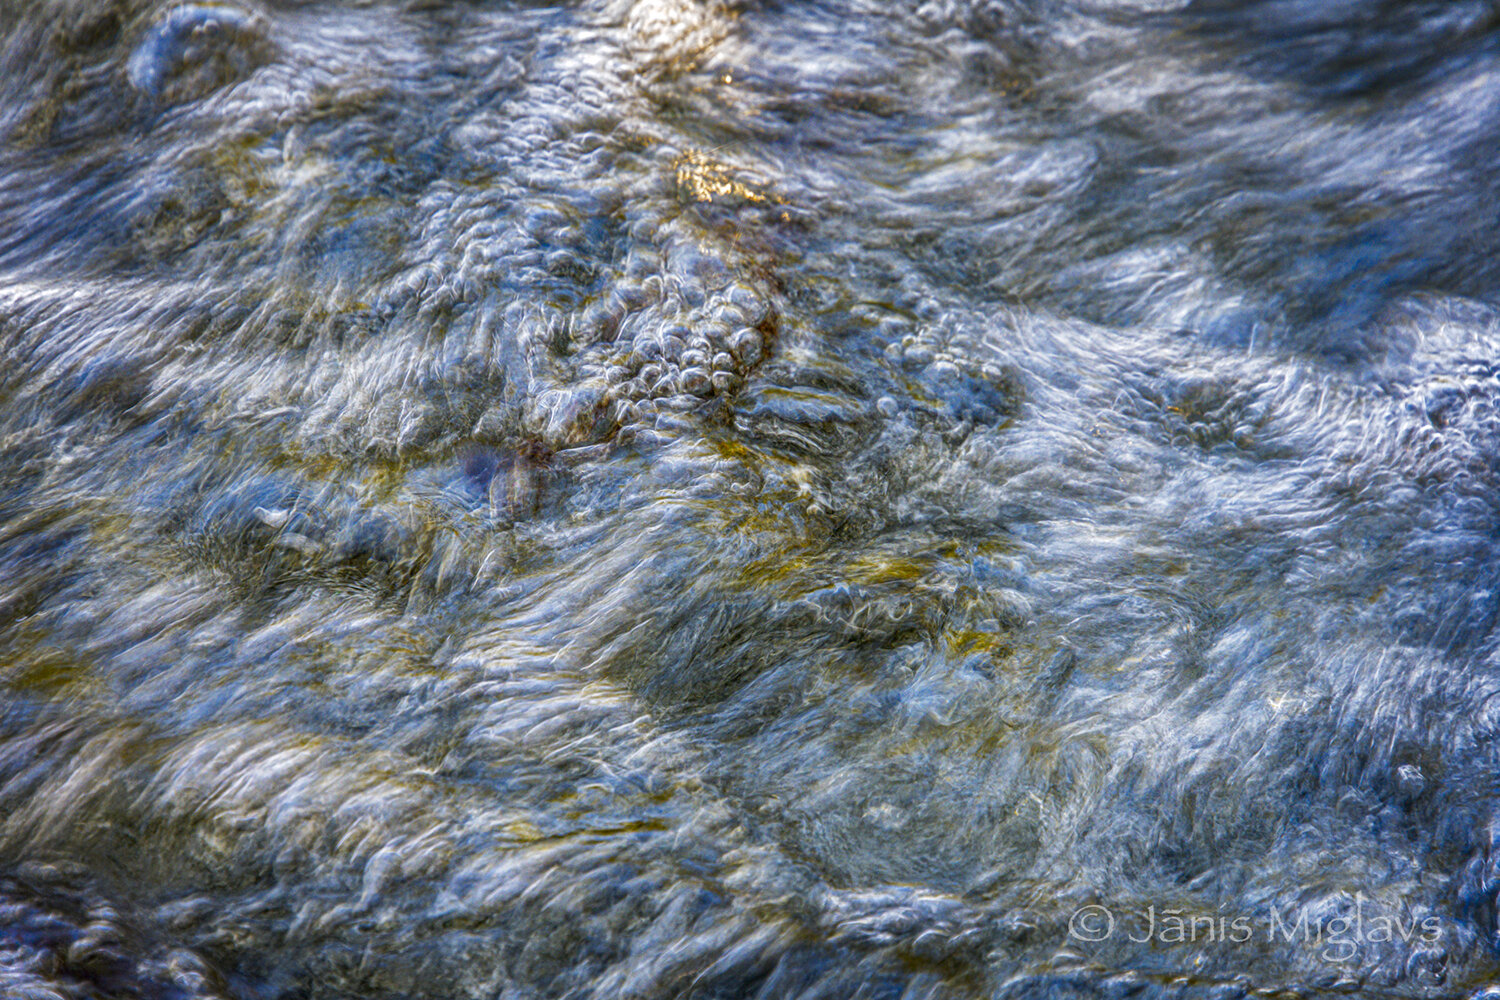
(691, 498)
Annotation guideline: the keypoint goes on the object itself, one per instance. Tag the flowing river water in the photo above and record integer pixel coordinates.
(687, 498)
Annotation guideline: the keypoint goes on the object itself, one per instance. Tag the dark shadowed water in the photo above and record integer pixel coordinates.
(971, 498)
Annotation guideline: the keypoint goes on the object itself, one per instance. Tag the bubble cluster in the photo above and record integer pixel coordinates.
(193, 49)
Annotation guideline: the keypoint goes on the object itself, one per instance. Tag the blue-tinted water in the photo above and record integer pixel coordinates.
(834, 499)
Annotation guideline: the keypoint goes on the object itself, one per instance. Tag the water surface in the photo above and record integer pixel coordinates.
(675, 498)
